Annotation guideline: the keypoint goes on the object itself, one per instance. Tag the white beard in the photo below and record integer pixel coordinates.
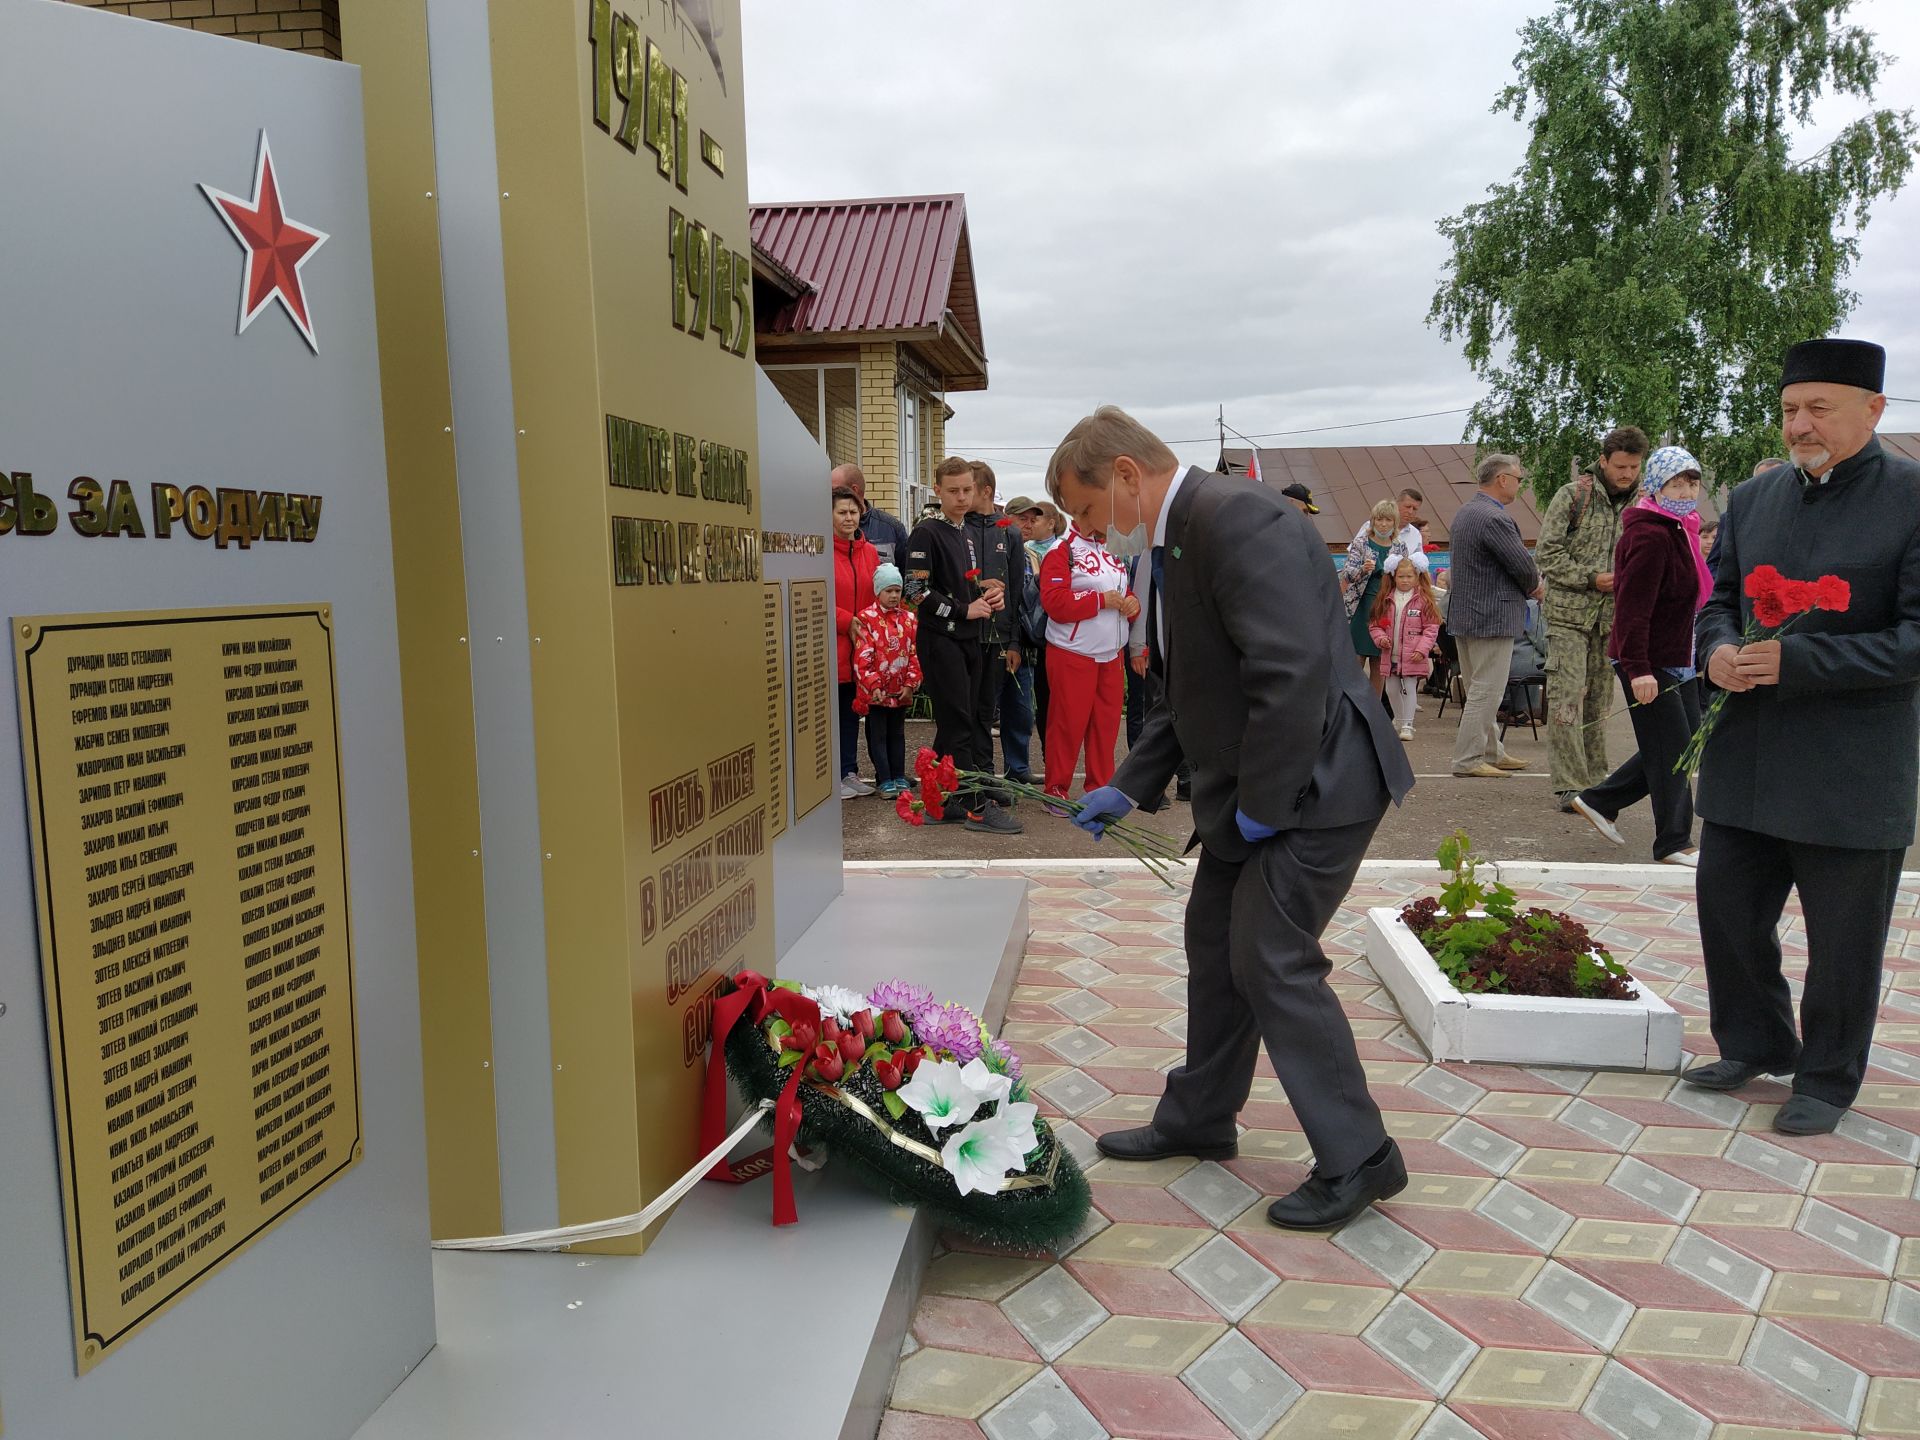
(1816, 464)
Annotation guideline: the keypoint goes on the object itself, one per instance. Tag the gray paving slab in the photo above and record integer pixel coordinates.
(1054, 1311)
(1042, 1409)
(1236, 1381)
(1214, 1193)
(1591, 1311)
(1671, 1196)
(1227, 1277)
(1701, 1257)
(1421, 1343)
(1826, 1382)
(1783, 1165)
(1624, 1405)
(1849, 1234)
(1488, 1149)
(1383, 1247)
(1536, 1221)
(1599, 1123)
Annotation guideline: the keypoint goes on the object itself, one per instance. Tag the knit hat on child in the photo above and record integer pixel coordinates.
(886, 577)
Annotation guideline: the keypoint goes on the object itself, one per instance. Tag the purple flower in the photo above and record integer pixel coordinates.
(951, 1028)
(908, 999)
(1004, 1058)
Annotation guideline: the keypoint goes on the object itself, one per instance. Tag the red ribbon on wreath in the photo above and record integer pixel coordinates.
(754, 996)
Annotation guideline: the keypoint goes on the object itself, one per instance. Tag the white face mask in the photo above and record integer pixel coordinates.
(1126, 544)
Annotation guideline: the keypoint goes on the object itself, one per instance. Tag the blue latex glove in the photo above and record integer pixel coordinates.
(1251, 830)
(1102, 805)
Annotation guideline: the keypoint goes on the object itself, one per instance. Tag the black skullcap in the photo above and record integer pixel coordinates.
(1297, 491)
(1859, 363)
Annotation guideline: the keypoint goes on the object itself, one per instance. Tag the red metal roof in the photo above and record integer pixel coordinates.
(893, 264)
(1347, 480)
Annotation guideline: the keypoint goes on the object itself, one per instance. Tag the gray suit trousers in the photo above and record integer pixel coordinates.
(1256, 972)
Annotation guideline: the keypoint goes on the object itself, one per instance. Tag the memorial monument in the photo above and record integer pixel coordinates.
(213, 1198)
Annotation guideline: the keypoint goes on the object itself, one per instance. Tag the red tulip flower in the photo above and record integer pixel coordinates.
(805, 1035)
(829, 1030)
(893, 1028)
(890, 1073)
(827, 1063)
(852, 1047)
(910, 1060)
(862, 1022)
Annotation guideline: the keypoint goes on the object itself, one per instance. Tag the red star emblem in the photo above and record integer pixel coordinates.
(276, 247)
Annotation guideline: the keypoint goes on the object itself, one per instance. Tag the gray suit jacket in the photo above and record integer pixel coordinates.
(1830, 755)
(1492, 572)
(1261, 689)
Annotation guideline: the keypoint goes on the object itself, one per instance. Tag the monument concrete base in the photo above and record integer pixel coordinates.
(727, 1325)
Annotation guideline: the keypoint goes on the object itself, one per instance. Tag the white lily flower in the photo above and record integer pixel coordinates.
(1016, 1118)
(986, 1085)
(979, 1157)
(836, 1000)
(939, 1092)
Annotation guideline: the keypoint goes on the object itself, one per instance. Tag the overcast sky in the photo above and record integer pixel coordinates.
(1240, 212)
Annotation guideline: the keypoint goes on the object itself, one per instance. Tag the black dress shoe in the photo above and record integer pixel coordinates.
(1328, 1200)
(1147, 1143)
(1730, 1074)
(1806, 1115)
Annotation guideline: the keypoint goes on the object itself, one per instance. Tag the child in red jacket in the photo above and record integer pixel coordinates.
(1083, 589)
(886, 673)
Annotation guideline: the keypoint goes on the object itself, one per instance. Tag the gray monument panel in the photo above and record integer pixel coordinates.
(120, 288)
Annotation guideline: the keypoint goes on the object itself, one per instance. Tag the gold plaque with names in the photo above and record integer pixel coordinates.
(773, 631)
(814, 677)
(184, 794)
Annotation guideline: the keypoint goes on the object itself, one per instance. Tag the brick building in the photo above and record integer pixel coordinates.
(310, 26)
(865, 317)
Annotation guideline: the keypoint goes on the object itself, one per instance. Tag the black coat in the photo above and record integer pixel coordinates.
(1831, 755)
(1262, 693)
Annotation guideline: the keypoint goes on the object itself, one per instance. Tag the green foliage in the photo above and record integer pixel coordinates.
(1464, 893)
(1659, 248)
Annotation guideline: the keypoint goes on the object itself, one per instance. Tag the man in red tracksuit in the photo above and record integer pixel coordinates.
(1083, 589)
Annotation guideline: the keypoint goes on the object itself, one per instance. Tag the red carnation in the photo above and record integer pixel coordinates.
(908, 811)
(1003, 522)
(933, 799)
(1832, 593)
(947, 776)
(973, 574)
(924, 762)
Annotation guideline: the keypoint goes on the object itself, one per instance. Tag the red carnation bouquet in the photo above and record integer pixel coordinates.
(1778, 603)
(940, 779)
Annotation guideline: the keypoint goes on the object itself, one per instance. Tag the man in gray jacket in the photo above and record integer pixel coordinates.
(1493, 578)
(1294, 763)
(1809, 779)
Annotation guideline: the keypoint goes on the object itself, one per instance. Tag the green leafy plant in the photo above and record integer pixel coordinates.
(1485, 946)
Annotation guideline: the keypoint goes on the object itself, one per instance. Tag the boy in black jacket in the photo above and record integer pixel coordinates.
(944, 579)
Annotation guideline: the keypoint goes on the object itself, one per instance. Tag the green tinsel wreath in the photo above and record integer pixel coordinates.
(1027, 1219)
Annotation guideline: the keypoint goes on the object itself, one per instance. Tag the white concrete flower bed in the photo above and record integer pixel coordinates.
(1642, 1034)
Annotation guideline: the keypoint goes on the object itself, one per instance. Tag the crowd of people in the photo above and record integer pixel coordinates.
(1266, 678)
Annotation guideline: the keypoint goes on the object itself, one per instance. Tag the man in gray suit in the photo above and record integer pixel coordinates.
(1493, 578)
(1808, 782)
(1293, 765)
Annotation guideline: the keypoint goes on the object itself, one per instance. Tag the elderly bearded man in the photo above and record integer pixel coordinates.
(1293, 766)
(1809, 780)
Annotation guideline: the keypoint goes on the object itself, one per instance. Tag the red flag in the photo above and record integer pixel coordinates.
(1253, 464)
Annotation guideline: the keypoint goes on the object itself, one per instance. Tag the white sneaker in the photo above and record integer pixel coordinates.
(1688, 858)
(848, 790)
(1406, 732)
(1597, 820)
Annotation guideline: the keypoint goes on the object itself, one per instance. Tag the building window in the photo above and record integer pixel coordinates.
(827, 400)
(913, 473)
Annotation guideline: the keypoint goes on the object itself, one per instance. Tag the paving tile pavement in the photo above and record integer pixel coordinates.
(1579, 1255)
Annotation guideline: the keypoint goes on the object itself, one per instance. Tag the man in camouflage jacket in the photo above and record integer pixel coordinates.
(1575, 554)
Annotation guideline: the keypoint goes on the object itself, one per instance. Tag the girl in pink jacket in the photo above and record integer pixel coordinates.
(1404, 625)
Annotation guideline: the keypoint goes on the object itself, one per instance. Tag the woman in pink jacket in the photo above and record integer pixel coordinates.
(1403, 626)
(854, 561)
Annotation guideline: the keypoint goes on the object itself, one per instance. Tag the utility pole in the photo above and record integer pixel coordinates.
(1223, 430)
